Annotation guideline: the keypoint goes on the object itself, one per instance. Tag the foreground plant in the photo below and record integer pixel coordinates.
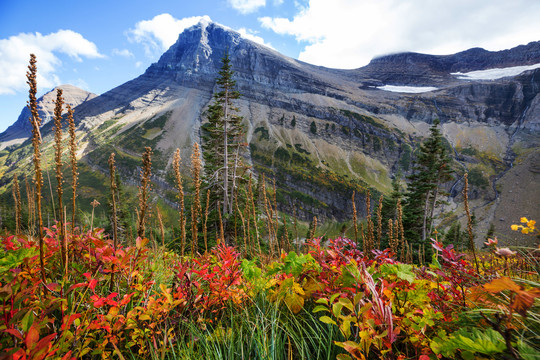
(35, 122)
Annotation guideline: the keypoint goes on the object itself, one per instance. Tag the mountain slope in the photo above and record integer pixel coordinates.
(322, 133)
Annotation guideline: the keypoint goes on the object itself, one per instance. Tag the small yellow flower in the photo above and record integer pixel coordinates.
(515, 227)
(524, 220)
(531, 224)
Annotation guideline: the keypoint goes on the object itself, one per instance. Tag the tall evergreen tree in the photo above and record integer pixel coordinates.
(431, 169)
(224, 146)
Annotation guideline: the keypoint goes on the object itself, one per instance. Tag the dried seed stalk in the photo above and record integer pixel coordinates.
(355, 219)
(196, 205)
(73, 159)
(30, 198)
(36, 142)
(144, 191)
(205, 229)
(58, 166)
(161, 228)
(114, 194)
(178, 178)
(379, 222)
(18, 206)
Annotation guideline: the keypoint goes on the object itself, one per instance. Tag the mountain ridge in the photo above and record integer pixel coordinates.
(363, 134)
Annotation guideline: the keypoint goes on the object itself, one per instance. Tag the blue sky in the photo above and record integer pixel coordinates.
(98, 44)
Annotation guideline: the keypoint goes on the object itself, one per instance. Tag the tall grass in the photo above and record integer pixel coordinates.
(261, 330)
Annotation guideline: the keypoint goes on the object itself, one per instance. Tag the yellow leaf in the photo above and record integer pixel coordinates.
(294, 302)
(297, 288)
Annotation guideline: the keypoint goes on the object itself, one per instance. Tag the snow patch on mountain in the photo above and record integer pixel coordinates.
(494, 74)
(407, 89)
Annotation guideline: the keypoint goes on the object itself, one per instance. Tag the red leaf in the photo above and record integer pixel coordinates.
(15, 333)
(92, 284)
(32, 337)
(76, 286)
(42, 347)
(68, 320)
(20, 354)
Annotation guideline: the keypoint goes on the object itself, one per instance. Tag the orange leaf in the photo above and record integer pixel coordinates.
(504, 283)
(32, 337)
(524, 300)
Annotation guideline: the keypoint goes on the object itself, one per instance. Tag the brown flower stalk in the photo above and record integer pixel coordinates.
(36, 142)
(354, 219)
(59, 176)
(178, 178)
(73, 159)
(144, 190)
(31, 206)
(196, 205)
(205, 229)
(161, 228)
(18, 206)
(252, 202)
(370, 236)
(114, 192)
(379, 222)
(391, 243)
(469, 220)
(314, 228)
(400, 223)
(221, 236)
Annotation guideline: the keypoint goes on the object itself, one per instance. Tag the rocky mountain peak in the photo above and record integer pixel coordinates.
(72, 95)
(198, 50)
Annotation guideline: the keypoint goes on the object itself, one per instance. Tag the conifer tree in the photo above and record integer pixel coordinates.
(431, 169)
(224, 145)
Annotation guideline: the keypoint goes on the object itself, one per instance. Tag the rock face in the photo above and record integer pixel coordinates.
(326, 132)
(21, 129)
(422, 69)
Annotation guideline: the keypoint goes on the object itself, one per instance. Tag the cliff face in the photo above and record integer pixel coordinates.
(323, 133)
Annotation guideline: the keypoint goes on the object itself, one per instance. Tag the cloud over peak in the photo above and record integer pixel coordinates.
(15, 53)
(160, 32)
(349, 33)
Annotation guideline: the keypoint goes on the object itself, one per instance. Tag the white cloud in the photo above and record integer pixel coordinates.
(251, 35)
(159, 33)
(247, 6)
(15, 54)
(349, 33)
(124, 53)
